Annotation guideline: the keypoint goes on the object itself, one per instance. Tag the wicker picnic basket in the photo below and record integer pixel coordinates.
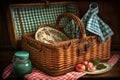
(60, 58)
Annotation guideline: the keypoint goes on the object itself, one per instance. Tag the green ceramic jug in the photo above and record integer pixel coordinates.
(22, 64)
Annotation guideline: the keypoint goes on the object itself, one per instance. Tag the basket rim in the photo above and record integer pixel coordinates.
(60, 44)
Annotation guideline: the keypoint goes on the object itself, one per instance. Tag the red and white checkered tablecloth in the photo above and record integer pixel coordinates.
(114, 59)
(39, 75)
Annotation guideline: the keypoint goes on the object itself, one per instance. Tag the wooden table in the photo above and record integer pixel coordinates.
(6, 56)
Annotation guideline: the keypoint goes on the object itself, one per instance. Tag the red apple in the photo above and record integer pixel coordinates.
(80, 67)
(90, 64)
(85, 63)
(91, 68)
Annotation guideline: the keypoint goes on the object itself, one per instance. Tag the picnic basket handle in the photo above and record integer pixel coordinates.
(77, 21)
(81, 27)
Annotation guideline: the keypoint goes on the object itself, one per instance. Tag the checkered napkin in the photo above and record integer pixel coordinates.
(7, 71)
(114, 59)
(95, 25)
(38, 75)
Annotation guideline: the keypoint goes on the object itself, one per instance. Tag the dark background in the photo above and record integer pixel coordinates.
(109, 12)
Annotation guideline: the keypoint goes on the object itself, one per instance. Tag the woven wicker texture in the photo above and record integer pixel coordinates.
(60, 58)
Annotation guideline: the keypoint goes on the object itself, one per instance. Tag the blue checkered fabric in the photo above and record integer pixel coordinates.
(72, 29)
(33, 16)
(96, 25)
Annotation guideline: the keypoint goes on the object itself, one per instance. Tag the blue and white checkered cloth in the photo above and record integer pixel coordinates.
(95, 25)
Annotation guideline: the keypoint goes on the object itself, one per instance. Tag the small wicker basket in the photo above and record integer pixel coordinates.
(60, 58)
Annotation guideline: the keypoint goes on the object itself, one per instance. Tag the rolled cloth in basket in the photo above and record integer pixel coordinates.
(96, 25)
